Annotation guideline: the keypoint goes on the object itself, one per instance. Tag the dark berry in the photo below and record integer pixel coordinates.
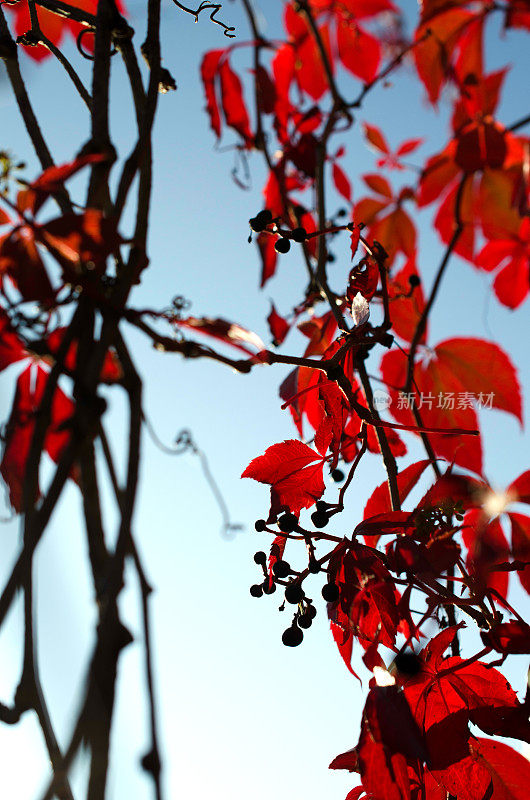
(282, 245)
(304, 621)
(269, 587)
(408, 663)
(288, 523)
(293, 636)
(330, 592)
(265, 216)
(281, 569)
(310, 611)
(341, 212)
(256, 225)
(260, 525)
(321, 505)
(319, 519)
(299, 235)
(330, 258)
(313, 566)
(294, 593)
(260, 221)
(260, 557)
(256, 590)
(338, 475)
(414, 280)
(387, 340)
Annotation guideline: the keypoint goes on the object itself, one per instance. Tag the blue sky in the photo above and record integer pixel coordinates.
(240, 714)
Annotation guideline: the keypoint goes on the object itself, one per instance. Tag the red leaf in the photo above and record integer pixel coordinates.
(296, 481)
(406, 302)
(519, 489)
(379, 502)
(87, 237)
(379, 185)
(30, 389)
(234, 109)
(487, 546)
(279, 327)
(508, 637)
(20, 258)
(348, 760)
(376, 138)
(228, 332)
(342, 184)
(509, 770)
(433, 54)
(12, 349)
(521, 545)
(209, 67)
(449, 381)
(344, 640)
(52, 180)
(269, 257)
(408, 146)
(389, 736)
(359, 51)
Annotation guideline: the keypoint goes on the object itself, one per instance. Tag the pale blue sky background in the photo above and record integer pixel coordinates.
(240, 714)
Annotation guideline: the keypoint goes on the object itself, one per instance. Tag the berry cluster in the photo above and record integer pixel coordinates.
(281, 573)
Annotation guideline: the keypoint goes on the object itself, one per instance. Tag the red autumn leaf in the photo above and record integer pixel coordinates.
(234, 109)
(519, 489)
(309, 71)
(209, 67)
(379, 185)
(390, 522)
(348, 760)
(5, 219)
(408, 147)
(379, 501)
(289, 467)
(228, 332)
(20, 427)
(52, 180)
(480, 145)
(407, 302)
(359, 51)
(20, 259)
(375, 138)
(510, 255)
(389, 737)
(363, 278)
(342, 184)
(269, 257)
(81, 238)
(508, 637)
(279, 327)
(433, 54)
(509, 770)
(451, 690)
(487, 546)
(449, 380)
(276, 554)
(521, 545)
(343, 638)
(12, 349)
(368, 8)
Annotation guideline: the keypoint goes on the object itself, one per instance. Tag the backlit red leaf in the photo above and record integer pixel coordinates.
(289, 467)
